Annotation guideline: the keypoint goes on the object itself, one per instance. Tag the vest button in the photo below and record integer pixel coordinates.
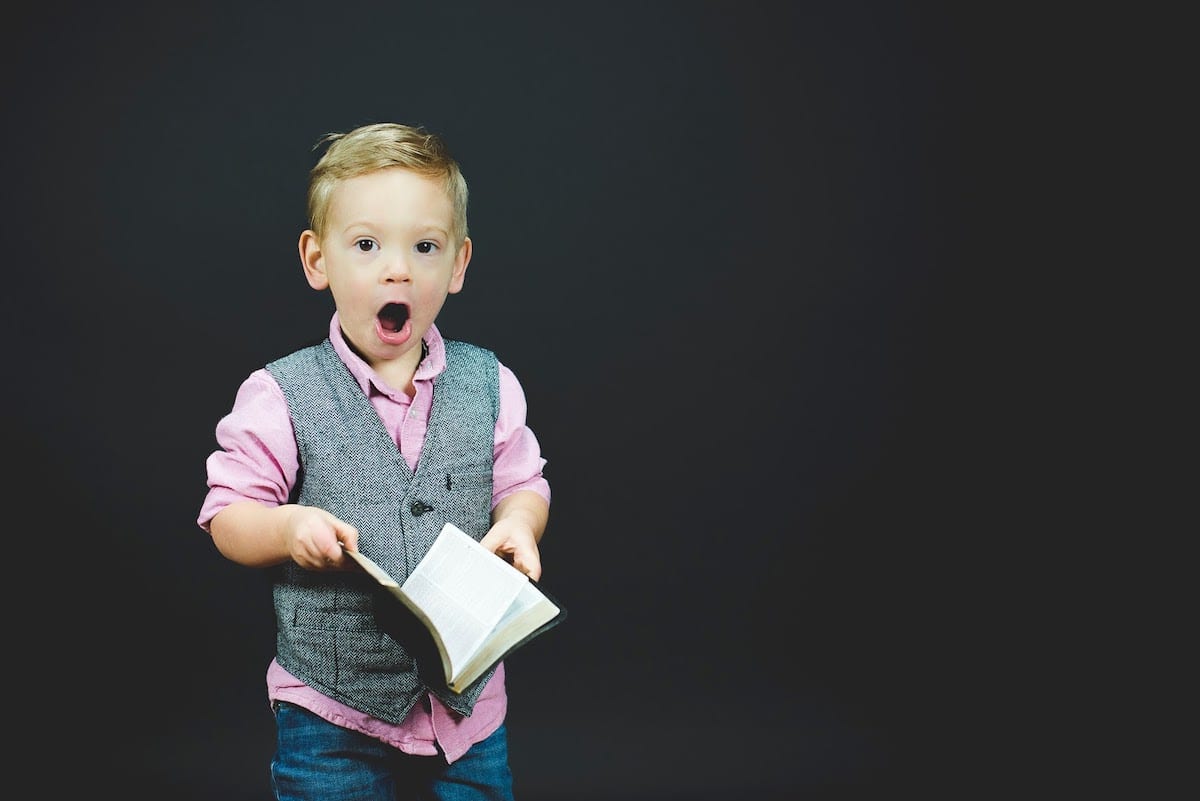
(419, 508)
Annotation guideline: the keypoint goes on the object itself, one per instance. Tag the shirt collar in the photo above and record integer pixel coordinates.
(431, 365)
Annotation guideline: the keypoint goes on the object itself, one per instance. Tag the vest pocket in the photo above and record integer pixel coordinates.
(468, 499)
(352, 641)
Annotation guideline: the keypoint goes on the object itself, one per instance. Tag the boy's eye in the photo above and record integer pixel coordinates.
(365, 245)
(426, 247)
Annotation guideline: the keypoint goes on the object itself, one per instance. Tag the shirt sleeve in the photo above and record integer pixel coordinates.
(517, 462)
(256, 458)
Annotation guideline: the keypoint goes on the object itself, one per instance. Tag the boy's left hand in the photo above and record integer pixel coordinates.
(513, 541)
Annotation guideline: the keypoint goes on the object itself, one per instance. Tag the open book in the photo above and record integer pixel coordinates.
(477, 607)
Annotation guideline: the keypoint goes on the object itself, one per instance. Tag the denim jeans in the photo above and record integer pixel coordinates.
(315, 759)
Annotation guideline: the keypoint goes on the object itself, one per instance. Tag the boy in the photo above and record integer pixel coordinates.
(371, 440)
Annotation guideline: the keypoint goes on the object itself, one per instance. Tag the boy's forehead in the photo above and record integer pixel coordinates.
(392, 192)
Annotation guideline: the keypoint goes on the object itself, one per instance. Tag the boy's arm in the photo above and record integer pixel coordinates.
(255, 535)
(518, 522)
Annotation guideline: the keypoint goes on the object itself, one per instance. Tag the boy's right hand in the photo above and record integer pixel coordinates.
(315, 539)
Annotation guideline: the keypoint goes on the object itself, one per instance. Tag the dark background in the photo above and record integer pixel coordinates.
(726, 247)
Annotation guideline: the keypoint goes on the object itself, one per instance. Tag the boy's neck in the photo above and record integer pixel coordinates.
(398, 373)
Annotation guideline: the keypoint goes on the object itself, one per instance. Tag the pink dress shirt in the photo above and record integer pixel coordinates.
(257, 460)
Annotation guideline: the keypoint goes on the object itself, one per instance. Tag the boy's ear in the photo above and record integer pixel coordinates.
(461, 260)
(310, 257)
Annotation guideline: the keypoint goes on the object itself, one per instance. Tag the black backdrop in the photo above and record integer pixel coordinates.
(723, 245)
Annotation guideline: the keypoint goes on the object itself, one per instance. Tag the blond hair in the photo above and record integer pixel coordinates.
(377, 147)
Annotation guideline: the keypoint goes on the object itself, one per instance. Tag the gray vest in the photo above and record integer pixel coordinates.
(328, 623)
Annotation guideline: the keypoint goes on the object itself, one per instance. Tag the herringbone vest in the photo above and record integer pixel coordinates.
(328, 630)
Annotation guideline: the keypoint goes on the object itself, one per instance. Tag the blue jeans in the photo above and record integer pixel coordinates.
(315, 759)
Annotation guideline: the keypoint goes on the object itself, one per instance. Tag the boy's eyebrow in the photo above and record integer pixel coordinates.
(420, 228)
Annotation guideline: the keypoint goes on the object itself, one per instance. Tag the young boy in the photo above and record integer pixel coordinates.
(371, 440)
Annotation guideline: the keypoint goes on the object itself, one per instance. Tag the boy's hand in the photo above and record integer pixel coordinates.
(314, 539)
(512, 539)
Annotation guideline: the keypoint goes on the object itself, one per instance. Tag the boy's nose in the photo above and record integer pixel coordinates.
(396, 270)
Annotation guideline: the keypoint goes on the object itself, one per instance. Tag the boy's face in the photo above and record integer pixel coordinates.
(389, 260)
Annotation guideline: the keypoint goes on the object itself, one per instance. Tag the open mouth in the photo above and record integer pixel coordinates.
(393, 316)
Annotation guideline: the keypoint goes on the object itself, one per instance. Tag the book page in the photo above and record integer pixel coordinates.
(530, 610)
(464, 590)
(376, 572)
